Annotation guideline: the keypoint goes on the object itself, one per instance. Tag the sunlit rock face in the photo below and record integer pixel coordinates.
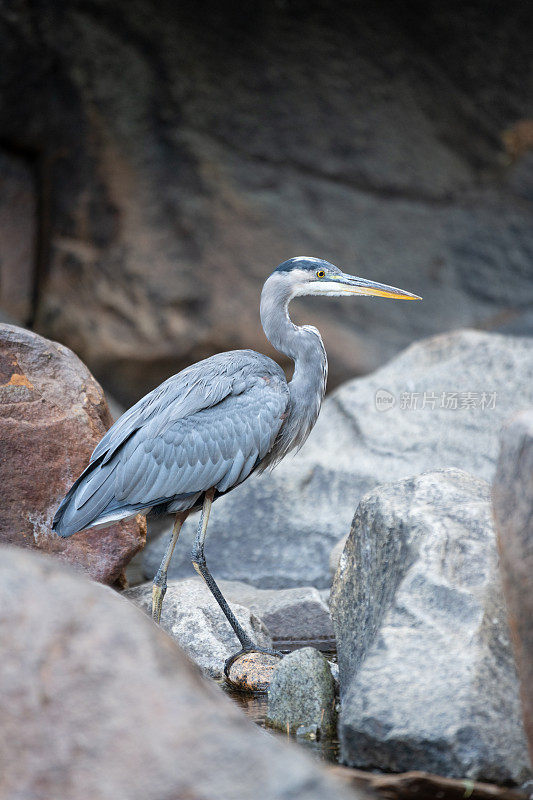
(163, 163)
(426, 669)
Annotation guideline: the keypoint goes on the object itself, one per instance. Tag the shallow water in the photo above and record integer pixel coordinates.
(325, 748)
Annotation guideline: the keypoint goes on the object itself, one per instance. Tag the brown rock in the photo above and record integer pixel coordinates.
(252, 672)
(52, 414)
(98, 702)
(513, 514)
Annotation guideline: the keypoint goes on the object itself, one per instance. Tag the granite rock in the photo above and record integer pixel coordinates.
(292, 616)
(512, 494)
(301, 697)
(427, 675)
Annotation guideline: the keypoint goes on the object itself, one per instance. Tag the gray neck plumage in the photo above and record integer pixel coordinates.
(304, 346)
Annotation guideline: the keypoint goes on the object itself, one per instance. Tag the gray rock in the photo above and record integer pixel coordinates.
(301, 697)
(98, 702)
(335, 556)
(193, 618)
(277, 529)
(292, 616)
(427, 675)
(512, 494)
(334, 667)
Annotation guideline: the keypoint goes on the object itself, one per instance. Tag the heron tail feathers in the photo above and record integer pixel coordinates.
(86, 500)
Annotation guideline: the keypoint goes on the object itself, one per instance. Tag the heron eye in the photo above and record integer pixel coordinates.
(321, 273)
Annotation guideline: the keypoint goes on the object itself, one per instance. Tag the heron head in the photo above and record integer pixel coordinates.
(313, 276)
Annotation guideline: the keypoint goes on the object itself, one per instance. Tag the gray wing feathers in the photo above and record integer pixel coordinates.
(208, 426)
(216, 447)
(177, 397)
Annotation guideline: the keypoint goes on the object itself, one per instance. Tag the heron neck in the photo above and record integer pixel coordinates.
(304, 346)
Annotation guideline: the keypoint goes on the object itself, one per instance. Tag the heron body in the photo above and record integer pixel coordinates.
(206, 429)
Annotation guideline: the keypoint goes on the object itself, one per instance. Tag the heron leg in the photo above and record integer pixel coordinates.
(199, 563)
(159, 586)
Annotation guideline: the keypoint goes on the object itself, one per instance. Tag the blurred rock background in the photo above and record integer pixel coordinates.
(157, 160)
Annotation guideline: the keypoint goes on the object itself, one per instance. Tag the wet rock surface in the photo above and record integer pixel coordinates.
(98, 702)
(277, 529)
(193, 618)
(301, 696)
(512, 494)
(52, 415)
(427, 675)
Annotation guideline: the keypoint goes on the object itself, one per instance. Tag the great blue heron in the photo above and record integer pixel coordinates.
(206, 429)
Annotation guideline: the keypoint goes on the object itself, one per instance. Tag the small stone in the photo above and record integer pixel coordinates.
(307, 731)
(253, 672)
(301, 698)
(334, 667)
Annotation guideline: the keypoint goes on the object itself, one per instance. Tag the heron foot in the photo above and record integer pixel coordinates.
(231, 660)
(158, 594)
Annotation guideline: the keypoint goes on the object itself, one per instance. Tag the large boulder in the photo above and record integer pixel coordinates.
(52, 414)
(98, 702)
(181, 156)
(427, 675)
(440, 403)
(512, 494)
